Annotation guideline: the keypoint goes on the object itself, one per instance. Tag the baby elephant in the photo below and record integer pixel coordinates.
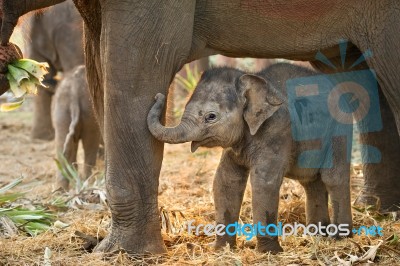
(248, 116)
(73, 120)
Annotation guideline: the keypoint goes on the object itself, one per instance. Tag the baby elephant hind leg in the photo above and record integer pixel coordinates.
(70, 149)
(337, 181)
(61, 124)
(316, 202)
(90, 143)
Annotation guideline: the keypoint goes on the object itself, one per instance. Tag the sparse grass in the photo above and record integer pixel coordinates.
(183, 87)
(83, 193)
(189, 82)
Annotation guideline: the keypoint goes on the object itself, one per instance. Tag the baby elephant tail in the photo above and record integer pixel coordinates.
(72, 136)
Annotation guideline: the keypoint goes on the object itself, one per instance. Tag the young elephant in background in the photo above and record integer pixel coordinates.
(73, 120)
(248, 116)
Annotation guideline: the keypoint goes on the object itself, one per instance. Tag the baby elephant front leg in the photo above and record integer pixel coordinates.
(229, 186)
(265, 184)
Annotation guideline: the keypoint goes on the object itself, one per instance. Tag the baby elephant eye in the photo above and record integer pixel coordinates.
(211, 117)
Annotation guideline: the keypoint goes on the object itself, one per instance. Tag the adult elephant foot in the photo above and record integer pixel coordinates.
(132, 198)
(120, 239)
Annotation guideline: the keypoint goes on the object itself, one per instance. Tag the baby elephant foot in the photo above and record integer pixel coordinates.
(221, 242)
(319, 227)
(268, 244)
(338, 236)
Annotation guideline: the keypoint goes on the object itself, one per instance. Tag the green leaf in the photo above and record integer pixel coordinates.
(14, 86)
(17, 73)
(10, 197)
(34, 68)
(28, 217)
(7, 107)
(11, 185)
(394, 240)
(35, 228)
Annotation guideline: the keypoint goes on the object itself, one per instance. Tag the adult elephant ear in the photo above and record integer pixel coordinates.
(262, 100)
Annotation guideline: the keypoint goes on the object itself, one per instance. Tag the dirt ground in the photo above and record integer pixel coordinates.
(185, 193)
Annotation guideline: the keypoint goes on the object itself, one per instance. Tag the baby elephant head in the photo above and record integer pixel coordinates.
(225, 104)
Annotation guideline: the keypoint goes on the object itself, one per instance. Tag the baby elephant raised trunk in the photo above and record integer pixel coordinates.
(184, 132)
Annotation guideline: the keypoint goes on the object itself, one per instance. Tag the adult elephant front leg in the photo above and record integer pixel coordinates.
(143, 45)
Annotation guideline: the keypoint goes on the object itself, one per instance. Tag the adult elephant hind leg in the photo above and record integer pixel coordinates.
(142, 47)
(381, 36)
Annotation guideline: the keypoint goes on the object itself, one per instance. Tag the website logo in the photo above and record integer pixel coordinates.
(323, 107)
(282, 230)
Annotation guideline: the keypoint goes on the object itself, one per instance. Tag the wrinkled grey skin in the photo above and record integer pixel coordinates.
(74, 121)
(133, 49)
(56, 38)
(252, 123)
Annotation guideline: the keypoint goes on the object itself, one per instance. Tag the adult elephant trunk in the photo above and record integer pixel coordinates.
(11, 10)
(186, 131)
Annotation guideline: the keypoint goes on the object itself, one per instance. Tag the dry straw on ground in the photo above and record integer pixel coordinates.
(185, 193)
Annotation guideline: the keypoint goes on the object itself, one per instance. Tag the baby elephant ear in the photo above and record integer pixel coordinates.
(262, 100)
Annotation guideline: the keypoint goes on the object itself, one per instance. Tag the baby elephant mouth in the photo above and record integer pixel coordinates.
(194, 146)
(203, 143)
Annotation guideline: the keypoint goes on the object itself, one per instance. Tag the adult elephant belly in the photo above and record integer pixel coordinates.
(288, 29)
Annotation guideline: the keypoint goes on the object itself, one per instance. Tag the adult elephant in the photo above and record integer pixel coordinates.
(134, 48)
(57, 38)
